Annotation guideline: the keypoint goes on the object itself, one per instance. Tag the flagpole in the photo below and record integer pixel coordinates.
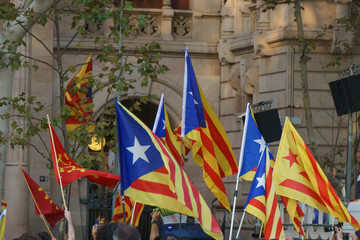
(132, 214)
(57, 164)
(240, 225)
(262, 224)
(241, 158)
(37, 207)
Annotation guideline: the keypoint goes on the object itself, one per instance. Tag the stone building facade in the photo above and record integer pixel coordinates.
(240, 54)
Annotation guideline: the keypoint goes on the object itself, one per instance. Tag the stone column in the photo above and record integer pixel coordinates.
(16, 192)
(166, 20)
(340, 35)
(264, 17)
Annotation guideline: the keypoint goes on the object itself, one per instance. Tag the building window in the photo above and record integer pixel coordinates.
(175, 4)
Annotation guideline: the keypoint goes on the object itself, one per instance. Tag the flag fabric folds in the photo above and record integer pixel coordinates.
(162, 129)
(43, 204)
(150, 175)
(133, 210)
(295, 213)
(70, 171)
(78, 97)
(297, 175)
(211, 147)
(252, 147)
(262, 201)
(3, 219)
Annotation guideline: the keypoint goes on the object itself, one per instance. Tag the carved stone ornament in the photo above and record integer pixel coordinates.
(182, 26)
(152, 28)
(93, 28)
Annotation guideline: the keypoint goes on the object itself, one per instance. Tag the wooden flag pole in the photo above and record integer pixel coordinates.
(37, 207)
(262, 224)
(57, 164)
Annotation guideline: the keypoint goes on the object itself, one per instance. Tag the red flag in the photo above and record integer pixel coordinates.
(70, 171)
(133, 210)
(43, 204)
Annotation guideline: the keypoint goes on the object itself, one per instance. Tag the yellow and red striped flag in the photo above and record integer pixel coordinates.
(3, 218)
(78, 97)
(162, 129)
(262, 201)
(151, 175)
(297, 175)
(211, 147)
(295, 213)
(133, 210)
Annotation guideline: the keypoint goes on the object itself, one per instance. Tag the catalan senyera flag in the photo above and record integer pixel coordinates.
(43, 204)
(211, 147)
(297, 175)
(3, 219)
(150, 174)
(162, 129)
(262, 201)
(78, 97)
(252, 147)
(70, 171)
(133, 210)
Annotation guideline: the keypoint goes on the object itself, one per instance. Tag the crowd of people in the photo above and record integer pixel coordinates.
(111, 231)
(121, 231)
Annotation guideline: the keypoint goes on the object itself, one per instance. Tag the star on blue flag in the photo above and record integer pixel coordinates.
(253, 147)
(137, 151)
(159, 123)
(258, 185)
(193, 111)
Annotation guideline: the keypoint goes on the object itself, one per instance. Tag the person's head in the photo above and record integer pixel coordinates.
(166, 237)
(29, 236)
(126, 232)
(357, 233)
(106, 232)
(44, 235)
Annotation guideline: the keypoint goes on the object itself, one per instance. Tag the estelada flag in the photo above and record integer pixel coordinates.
(70, 171)
(162, 129)
(297, 175)
(133, 210)
(150, 174)
(78, 97)
(210, 145)
(43, 204)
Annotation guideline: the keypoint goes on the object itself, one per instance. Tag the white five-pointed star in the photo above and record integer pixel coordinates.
(164, 124)
(262, 144)
(193, 98)
(261, 181)
(138, 151)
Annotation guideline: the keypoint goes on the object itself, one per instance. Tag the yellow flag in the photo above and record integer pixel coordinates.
(2, 219)
(297, 175)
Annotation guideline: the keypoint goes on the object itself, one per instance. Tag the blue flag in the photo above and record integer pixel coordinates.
(159, 123)
(193, 111)
(257, 188)
(252, 147)
(137, 152)
(150, 174)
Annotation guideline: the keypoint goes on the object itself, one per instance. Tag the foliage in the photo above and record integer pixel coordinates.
(119, 65)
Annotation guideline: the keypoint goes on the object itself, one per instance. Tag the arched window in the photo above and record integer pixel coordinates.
(175, 4)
